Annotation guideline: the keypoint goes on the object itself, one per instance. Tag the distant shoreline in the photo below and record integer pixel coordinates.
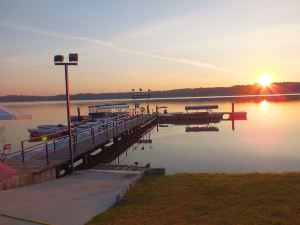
(290, 90)
(235, 98)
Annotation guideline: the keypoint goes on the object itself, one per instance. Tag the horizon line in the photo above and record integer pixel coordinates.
(125, 92)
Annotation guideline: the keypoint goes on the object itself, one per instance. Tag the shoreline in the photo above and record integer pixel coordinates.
(236, 98)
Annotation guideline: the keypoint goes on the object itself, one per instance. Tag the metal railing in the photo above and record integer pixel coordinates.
(88, 131)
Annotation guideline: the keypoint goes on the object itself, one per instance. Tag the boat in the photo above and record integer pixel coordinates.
(105, 111)
(48, 126)
(209, 108)
(193, 115)
(51, 130)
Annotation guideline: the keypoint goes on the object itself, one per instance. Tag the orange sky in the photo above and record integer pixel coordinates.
(172, 44)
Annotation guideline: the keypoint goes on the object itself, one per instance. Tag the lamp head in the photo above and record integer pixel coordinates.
(73, 57)
(58, 59)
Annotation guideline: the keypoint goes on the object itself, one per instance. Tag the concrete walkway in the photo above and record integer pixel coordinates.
(65, 201)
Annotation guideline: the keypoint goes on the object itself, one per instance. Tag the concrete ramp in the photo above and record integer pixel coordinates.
(69, 200)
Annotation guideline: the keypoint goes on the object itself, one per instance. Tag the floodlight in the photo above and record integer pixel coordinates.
(58, 58)
(73, 57)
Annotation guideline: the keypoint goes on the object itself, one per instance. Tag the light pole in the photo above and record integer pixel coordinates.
(140, 96)
(148, 96)
(73, 61)
(133, 96)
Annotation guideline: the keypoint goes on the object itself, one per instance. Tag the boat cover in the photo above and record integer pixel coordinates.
(10, 114)
(113, 107)
(201, 107)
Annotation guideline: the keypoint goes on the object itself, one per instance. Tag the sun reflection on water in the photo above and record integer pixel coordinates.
(264, 105)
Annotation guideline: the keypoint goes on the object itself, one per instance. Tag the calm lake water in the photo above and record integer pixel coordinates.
(267, 142)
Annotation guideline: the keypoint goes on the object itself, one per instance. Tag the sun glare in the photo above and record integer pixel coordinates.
(264, 106)
(264, 80)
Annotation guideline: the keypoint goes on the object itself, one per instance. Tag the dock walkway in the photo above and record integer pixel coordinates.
(50, 162)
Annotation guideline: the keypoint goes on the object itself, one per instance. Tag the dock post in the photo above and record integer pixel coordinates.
(78, 114)
(85, 161)
(93, 134)
(75, 133)
(106, 131)
(47, 154)
(23, 154)
(232, 116)
(54, 145)
(117, 125)
(74, 142)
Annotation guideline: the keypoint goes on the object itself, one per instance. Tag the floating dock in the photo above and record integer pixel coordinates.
(201, 117)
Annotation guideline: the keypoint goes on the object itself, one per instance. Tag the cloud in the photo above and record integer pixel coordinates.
(114, 47)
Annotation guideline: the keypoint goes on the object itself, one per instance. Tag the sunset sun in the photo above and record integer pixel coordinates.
(265, 80)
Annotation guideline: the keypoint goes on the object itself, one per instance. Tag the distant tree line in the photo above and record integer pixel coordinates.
(255, 89)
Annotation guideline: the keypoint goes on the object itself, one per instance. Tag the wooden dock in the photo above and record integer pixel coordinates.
(51, 162)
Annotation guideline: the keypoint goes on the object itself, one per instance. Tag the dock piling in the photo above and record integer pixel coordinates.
(47, 153)
(23, 153)
(93, 134)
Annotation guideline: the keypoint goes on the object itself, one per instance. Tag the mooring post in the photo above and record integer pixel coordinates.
(54, 145)
(117, 125)
(78, 114)
(93, 133)
(75, 134)
(85, 161)
(47, 153)
(74, 142)
(232, 116)
(23, 154)
(106, 131)
(102, 126)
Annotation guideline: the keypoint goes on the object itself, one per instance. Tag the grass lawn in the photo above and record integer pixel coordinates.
(209, 199)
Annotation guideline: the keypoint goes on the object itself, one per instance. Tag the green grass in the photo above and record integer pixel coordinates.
(209, 199)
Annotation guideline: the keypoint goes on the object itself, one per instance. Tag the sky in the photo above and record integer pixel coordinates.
(157, 44)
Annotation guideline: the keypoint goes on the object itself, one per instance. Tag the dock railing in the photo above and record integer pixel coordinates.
(31, 150)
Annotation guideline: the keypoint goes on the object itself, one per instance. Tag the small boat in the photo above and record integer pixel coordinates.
(51, 130)
(51, 126)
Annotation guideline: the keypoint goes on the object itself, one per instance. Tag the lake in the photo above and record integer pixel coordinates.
(267, 142)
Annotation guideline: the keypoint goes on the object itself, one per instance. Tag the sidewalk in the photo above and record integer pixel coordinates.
(69, 200)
